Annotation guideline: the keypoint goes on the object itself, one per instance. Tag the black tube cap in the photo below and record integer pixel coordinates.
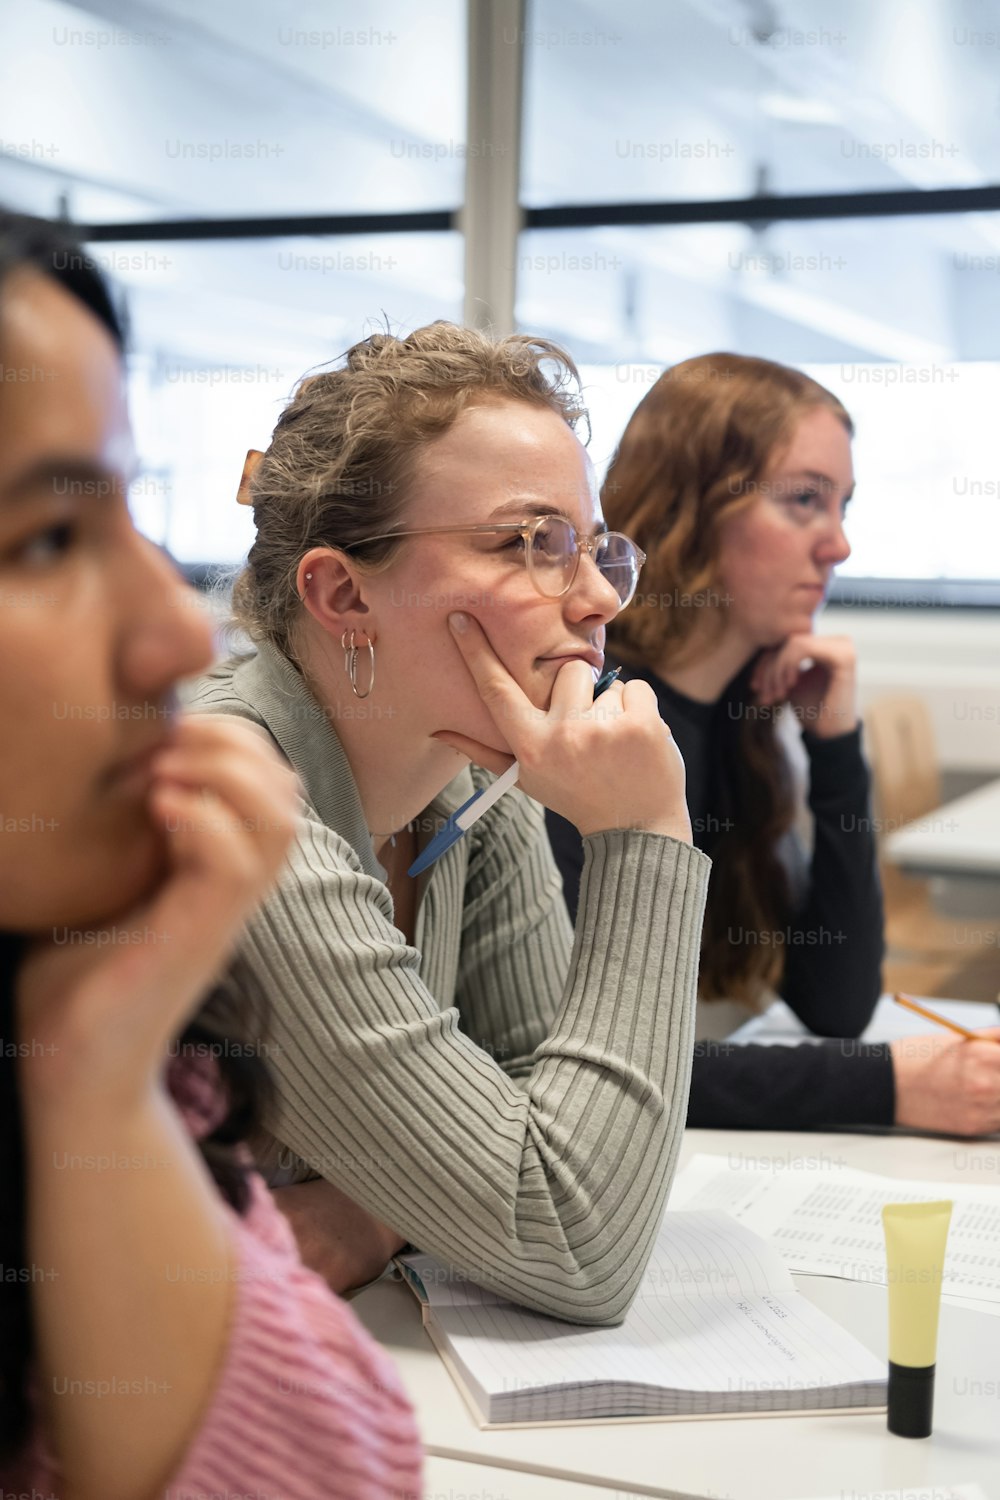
(911, 1400)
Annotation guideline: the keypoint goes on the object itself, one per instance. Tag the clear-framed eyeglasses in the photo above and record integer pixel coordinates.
(552, 551)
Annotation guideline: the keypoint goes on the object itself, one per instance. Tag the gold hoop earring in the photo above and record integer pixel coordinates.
(351, 653)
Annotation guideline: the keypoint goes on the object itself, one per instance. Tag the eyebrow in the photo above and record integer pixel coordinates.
(517, 509)
(98, 479)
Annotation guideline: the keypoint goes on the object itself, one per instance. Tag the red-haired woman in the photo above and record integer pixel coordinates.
(734, 475)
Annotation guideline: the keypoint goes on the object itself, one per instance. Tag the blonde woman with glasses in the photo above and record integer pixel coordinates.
(430, 586)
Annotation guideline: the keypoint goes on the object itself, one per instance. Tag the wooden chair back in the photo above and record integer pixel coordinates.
(899, 734)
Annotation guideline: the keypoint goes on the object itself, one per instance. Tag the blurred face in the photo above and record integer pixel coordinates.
(507, 461)
(95, 627)
(778, 555)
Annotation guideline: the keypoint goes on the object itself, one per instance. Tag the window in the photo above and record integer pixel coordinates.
(693, 108)
(716, 99)
(207, 111)
(197, 113)
(224, 329)
(707, 174)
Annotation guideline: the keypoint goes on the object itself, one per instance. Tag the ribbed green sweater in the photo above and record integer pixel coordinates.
(507, 1096)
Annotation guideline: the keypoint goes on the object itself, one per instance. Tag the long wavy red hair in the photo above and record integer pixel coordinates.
(694, 454)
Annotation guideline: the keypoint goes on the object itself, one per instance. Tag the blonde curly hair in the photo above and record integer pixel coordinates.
(344, 449)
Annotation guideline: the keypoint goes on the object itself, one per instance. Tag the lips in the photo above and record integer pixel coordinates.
(134, 772)
(593, 659)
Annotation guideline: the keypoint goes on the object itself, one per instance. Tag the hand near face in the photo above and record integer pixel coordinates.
(817, 676)
(102, 1004)
(604, 765)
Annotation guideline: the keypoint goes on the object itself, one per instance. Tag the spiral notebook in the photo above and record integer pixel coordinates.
(716, 1329)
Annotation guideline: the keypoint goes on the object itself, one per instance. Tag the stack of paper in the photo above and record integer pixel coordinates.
(827, 1220)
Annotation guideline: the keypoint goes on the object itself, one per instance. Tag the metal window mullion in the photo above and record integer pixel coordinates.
(491, 216)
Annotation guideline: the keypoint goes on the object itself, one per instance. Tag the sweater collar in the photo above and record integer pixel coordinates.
(302, 728)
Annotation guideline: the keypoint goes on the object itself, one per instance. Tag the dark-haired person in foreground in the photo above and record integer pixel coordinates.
(734, 475)
(158, 1332)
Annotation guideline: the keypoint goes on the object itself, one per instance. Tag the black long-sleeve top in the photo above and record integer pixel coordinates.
(833, 943)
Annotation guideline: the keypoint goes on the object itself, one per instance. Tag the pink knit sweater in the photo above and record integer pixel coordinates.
(306, 1406)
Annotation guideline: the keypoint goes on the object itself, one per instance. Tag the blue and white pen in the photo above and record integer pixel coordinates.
(480, 802)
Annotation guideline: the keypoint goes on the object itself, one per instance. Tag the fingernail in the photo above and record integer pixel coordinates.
(458, 622)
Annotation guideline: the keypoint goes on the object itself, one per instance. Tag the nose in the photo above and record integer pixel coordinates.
(591, 594)
(834, 548)
(165, 633)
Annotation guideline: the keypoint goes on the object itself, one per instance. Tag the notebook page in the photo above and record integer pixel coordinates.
(716, 1312)
(714, 1252)
(828, 1223)
(739, 1346)
(780, 1025)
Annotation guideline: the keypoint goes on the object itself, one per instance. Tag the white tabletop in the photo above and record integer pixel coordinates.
(453, 1479)
(960, 838)
(766, 1458)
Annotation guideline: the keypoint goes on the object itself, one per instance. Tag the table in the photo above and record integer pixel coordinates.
(766, 1458)
(451, 1479)
(960, 839)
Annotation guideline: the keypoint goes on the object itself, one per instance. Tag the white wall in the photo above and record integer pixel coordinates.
(948, 657)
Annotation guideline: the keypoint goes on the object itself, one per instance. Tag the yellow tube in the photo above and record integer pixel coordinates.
(915, 1239)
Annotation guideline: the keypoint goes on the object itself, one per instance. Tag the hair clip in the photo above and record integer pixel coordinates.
(253, 458)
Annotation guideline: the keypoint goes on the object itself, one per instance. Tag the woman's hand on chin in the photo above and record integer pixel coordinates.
(816, 675)
(605, 765)
(101, 1006)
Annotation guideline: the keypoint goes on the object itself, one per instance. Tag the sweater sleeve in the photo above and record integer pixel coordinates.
(548, 1189)
(833, 964)
(809, 1086)
(508, 991)
(832, 985)
(306, 1406)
